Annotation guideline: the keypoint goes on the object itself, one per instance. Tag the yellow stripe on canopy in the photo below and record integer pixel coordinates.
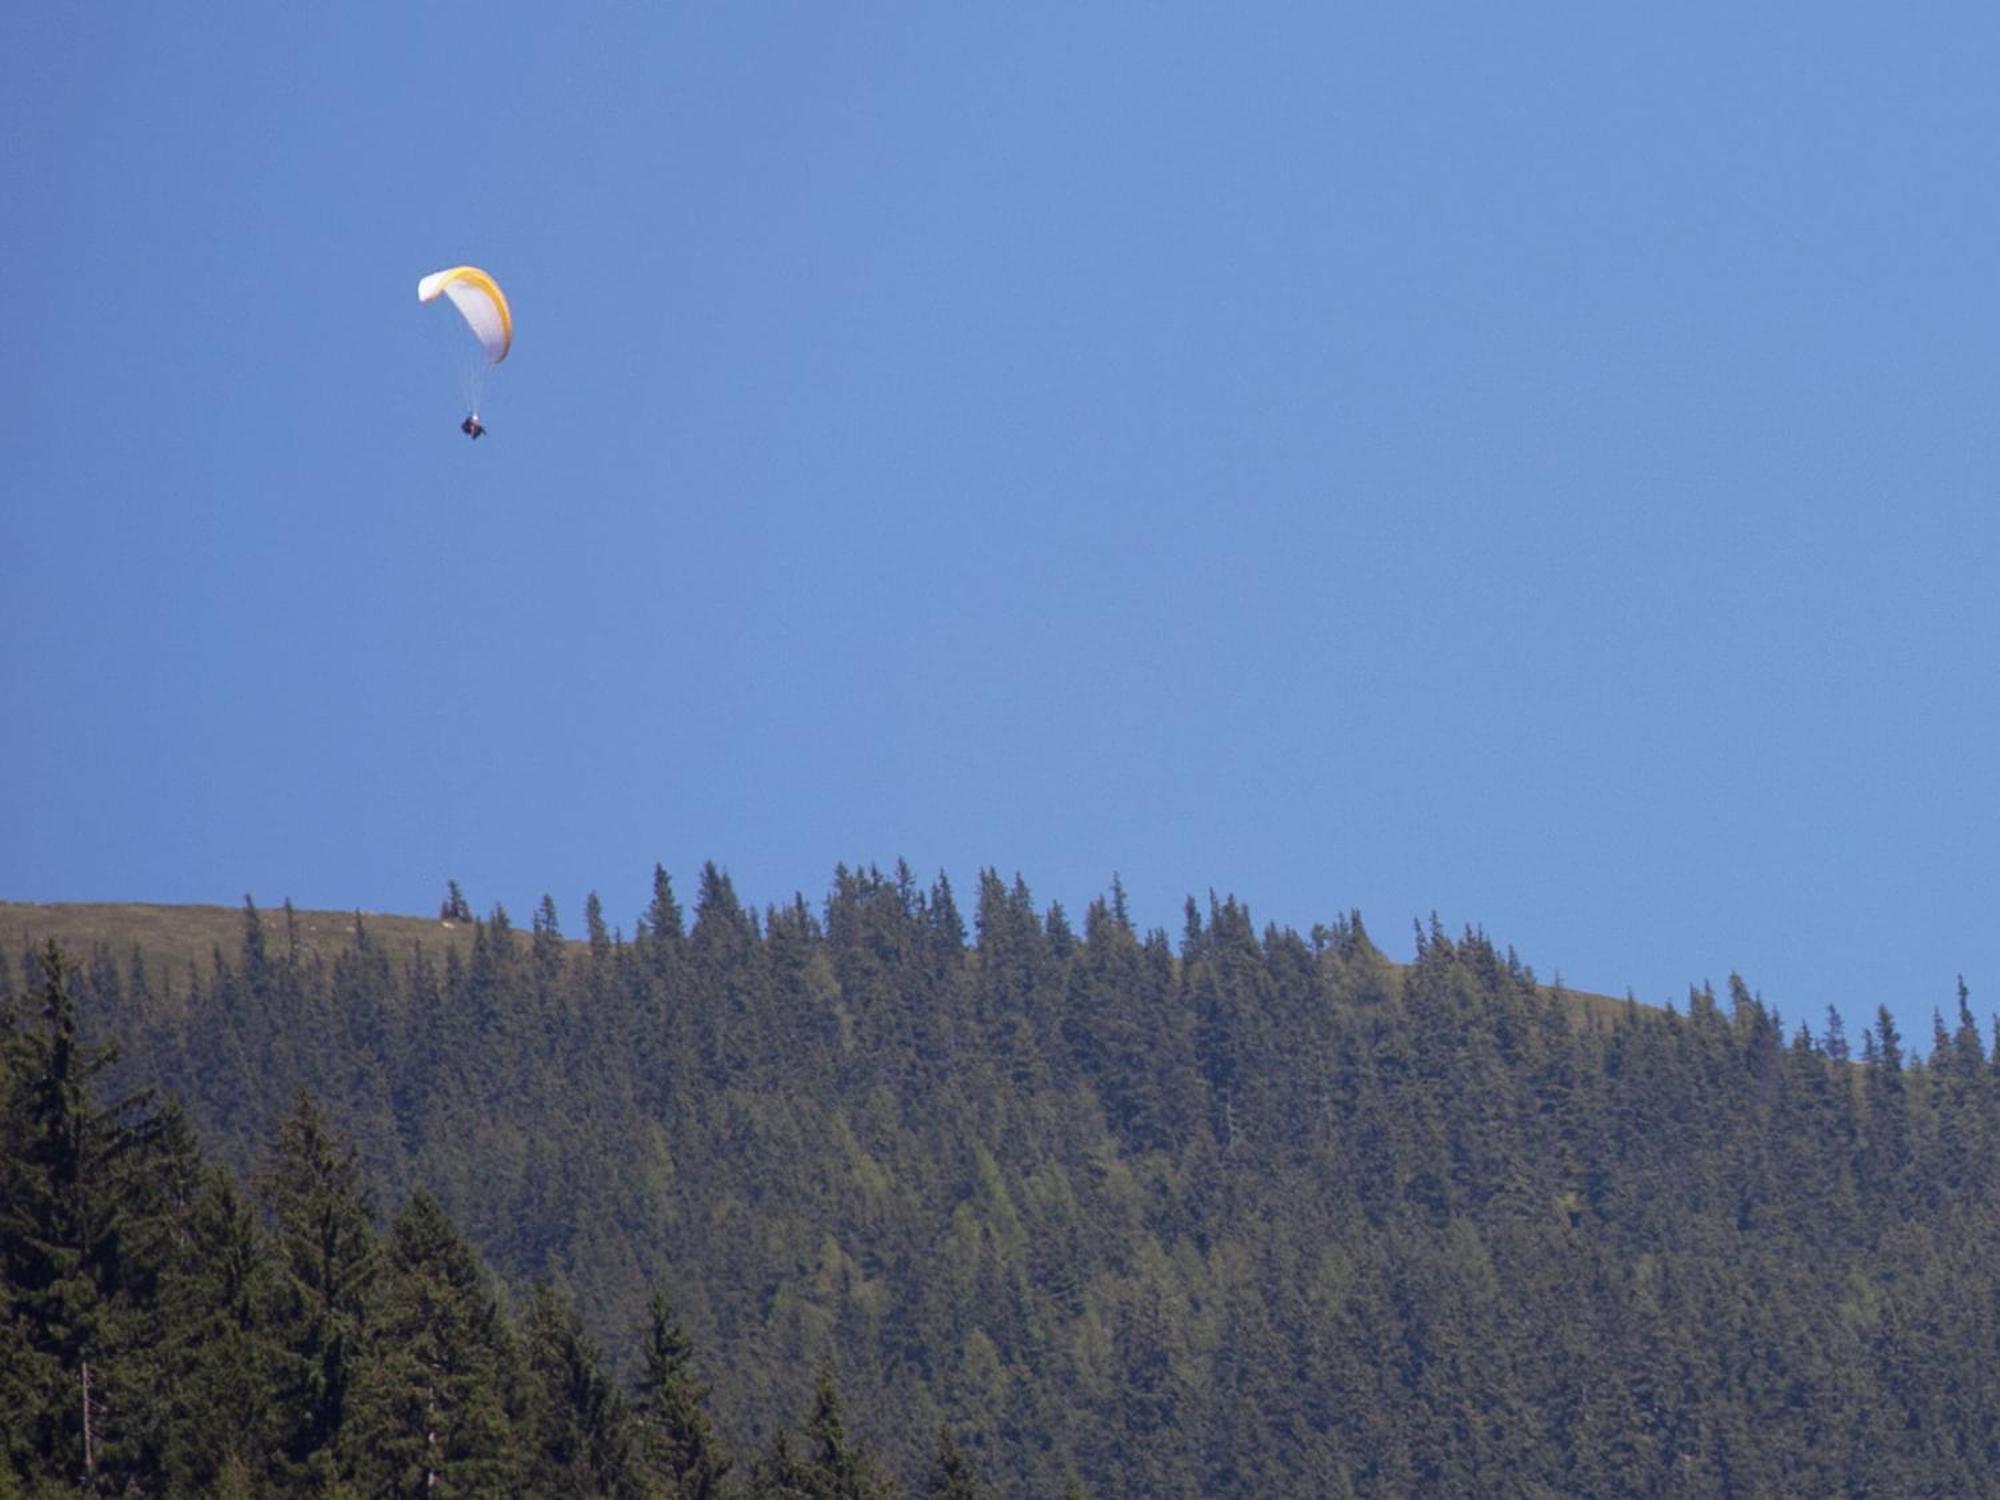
(478, 297)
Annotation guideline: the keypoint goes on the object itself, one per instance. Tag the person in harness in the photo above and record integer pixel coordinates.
(472, 427)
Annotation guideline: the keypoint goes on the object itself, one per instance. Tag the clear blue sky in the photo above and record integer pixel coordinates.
(1534, 463)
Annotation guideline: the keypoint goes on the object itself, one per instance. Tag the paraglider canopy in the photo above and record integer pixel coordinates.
(479, 301)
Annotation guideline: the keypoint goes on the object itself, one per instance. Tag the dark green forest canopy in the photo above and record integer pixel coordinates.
(1241, 1213)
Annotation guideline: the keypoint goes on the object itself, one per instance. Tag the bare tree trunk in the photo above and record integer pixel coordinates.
(89, 1443)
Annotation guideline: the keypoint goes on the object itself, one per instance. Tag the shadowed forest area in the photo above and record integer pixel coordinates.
(869, 1198)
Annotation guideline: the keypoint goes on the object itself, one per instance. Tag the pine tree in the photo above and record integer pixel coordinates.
(72, 1197)
(662, 932)
(1968, 1054)
(837, 1467)
(217, 1357)
(781, 1474)
(671, 1402)
(581, 1429)
(158, 1250)
(725, 956)
(546, 944)
(328, 1258)
(429, 1413)
(952, 1477)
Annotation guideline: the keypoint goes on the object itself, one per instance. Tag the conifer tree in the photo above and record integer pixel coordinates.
(430, 1414)
(72, 1195)
(781, 1474)
(837, 1467)
(946, 926)
(671, 1403)
(952, 1476)
(663, 923)
(322, 1213)
(581, 1429)
(546, 943)
(217, 1364)
(1969, 1055)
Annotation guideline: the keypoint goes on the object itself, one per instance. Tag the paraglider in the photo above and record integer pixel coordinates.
(488, 330)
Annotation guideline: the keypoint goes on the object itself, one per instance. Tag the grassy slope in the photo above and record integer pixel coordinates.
(176, 939)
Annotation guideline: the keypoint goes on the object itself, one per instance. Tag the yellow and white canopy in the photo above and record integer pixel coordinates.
(479, 301)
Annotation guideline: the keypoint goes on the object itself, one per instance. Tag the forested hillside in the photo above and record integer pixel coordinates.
(1241, 1213)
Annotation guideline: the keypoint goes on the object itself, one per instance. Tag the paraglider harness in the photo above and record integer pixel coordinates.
(472, 427)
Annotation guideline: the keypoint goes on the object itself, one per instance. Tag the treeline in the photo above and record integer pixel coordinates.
(165, 1330)
(1239, 1213)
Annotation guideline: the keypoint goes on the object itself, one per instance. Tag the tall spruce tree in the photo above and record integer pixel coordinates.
(581, 1431)
(73, 1194)
(952, 1476)
(217, 1361)
(781, 1474)
(671, 1402)
(430, 1412)
(322, 1213)
(837, 1467)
